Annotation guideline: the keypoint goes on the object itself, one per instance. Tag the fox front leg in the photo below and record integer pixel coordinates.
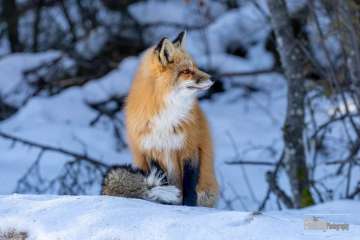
(190, 180)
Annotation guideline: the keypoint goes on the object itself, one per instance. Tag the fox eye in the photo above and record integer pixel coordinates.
(186, 71)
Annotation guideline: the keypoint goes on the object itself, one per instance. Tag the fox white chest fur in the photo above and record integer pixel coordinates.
(162, 137)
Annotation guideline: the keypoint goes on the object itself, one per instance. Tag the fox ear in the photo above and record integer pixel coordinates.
(179, 41)
(165, 50)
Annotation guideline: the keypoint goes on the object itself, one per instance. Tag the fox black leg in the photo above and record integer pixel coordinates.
(190, 180)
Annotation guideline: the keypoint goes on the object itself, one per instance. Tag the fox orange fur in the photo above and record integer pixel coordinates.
(164, 120)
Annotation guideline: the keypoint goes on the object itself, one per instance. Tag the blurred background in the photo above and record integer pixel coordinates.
(284, 111)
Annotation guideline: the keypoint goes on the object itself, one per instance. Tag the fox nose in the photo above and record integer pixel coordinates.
(206, 77)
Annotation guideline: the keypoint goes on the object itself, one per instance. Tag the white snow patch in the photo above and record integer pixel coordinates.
(103, 217)
(13, 89)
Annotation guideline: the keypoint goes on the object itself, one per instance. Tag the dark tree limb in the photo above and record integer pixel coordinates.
(45, 147)
(36, 26)
(248, 73)
(11, 16)
(274, 187)
(70, 23)
(267, 197)
(255, 163)
(356, 192)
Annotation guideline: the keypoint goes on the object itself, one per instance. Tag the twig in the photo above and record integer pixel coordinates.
(248, 73)
(246, 179)
(333, 119)
(273, 187)
(173, 24)
(244, 162)
(332, 68)
(355, 192)
(271, 179)
(263, 203)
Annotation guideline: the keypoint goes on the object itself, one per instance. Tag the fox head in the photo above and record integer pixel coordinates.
(175, 67)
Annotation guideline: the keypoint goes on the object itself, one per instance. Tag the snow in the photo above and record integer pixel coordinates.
(63, 120)
(103, 217)
(12, 88)
(247, 20)
(244, 127)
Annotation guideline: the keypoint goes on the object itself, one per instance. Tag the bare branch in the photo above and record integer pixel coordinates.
(45, 147)
(243, 162)
(248, 73)
(274, 187)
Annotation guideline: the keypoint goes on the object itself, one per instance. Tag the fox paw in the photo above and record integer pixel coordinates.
(167, 194)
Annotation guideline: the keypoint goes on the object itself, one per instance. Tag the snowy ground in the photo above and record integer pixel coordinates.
(101, 217)
(244, 127)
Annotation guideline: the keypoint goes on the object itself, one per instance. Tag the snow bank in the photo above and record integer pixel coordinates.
(102, 217)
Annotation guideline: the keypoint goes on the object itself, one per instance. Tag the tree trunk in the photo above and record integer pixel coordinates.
(294, 65)
(10, 15)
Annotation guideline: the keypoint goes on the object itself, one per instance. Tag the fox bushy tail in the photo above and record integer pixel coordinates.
(130, 182)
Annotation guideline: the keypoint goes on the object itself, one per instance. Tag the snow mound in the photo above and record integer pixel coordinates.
(103, 217)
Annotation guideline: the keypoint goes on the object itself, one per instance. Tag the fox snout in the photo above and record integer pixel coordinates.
(200, 76)
(202, 80)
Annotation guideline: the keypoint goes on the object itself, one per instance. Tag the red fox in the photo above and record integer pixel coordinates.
(165, 123)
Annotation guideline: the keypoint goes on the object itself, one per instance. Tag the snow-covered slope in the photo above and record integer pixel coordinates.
(102, 217)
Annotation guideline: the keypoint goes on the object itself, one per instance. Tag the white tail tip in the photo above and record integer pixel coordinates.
(165, 194)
